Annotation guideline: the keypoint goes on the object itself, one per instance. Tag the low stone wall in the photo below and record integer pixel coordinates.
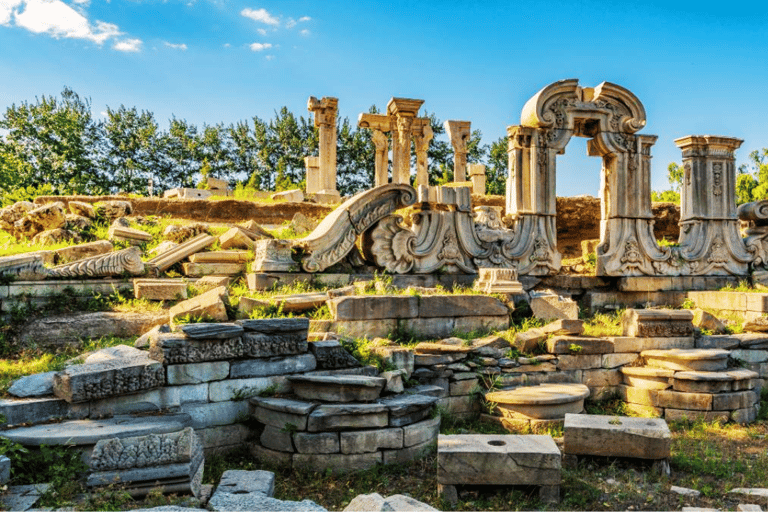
(749, 304)
(38, 293)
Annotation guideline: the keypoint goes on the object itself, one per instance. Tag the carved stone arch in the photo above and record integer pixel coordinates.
(610, 116)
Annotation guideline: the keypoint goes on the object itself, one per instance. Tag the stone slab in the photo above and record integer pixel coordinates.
(374, 307)
(366, 441)
(431, 306)
(649, 323)
(242, 389)
(196, 373)
(321, 442)
(283, 365)
(216, 414)
(611, 436)
(349, 416)
(422, 432)
(408, 408)
(238, 481)
(337, 388)
(39, 384)
(212, 331)
(579, 345)
(711, 360)
(160, 289)
(637, 345)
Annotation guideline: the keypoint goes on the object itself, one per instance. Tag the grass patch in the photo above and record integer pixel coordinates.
(604, 324)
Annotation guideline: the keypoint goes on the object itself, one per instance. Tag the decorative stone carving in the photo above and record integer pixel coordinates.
(273, 256)
(173, 348)
(335, 237)
(421, 140)
(111, 264)
(325, 119)
(498, 280)
(381, 162)
(24, 267)
(459, 132)
(143, 451)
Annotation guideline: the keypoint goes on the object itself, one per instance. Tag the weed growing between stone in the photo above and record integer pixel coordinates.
(604, 324)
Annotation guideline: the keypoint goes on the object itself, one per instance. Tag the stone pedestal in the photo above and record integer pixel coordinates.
(477, 175)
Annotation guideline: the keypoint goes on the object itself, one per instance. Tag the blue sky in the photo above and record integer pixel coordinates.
(698, 67)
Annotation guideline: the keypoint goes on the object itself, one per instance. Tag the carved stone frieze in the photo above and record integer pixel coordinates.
(174, 349)
(273, 256)
(110, 264)
(145, 451)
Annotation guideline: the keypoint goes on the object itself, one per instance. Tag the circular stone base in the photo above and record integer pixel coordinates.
(542, 402)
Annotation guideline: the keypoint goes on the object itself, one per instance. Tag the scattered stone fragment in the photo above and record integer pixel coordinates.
(235, 238)
(376, 503)
(180, 233)
(759, 324)
(708, 321)
(548, 305)
(657, 323)
(82, 251)
(751, 491)
(49, 216)
(39, 384)
(217, 331)
(684, 491)
(564, 327)
(13, 213)
(301, 223)
(291, 196)
(113, 209)
(82, 208)
(206, 305)
(22, 497)
(160, 289)
(56, 236)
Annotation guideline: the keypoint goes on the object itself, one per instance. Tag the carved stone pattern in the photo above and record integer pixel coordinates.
(392, 246)
(335, 359)
(687, 168)
(122, 382)
(450, 252)
(252, 345)
(144, 451)
(615, 116)
(111, 264)
(380, 140)
(719, 252)
(541, 250)
(269, 345)
(632, 253)
(315, 262)
(717, 178)
(664, 329)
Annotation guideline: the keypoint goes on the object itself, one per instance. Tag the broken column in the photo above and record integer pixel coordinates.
(325, 119)
(422, 135)
(381, 141)
(477, 175)
(404, 111)
(459, 132)
(312, 164)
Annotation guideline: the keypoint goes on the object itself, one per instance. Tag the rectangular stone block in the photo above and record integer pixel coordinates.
(214, 414)
(272, 366)
(337, 463)
(497, 460)
(459, 405)
(578, 345)
(5, 469)
(757, 302)
(206, 305)
(689, 401)
(265, 455)
(750, 356)
(723, 341)
(732, 401)
(618, 360)
(663, 323)
(220, 257)
(365, 441)
(209, 269)
(610, 436)
(602, 378)
(468, 324)
(635, 344)
(463, 387)
(640, 396)
(160, 289)
(731, 301)
(645, 411)
(240, 389)
(321, 442)
(35, 410)
(422, 432)
(407, 454)
(223, 436)
(161, 399)
(431, 306)
(342, 417)
(195, 373)
(579, 362)
(279, 439)
(374, 307)
(176, 348)
(428, 327)
(689, 415)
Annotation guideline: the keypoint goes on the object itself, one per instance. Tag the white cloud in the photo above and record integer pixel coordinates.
(305, 32)
(290, 23)
(6, 10)
(227, 45)
(128, 45)
(260, 15)
(269, 57)
(262, 31)
(304, 18)
(260, 47)
(58, 19)
(181, 46)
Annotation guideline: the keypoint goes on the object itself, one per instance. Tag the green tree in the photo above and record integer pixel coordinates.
(752, 181)
(355, 158)
(496, 170)
(133, 149)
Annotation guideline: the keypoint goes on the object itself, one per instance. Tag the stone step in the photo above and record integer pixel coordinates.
(645, 377)
(611, 436)
(89, 432)
(337, 388)
(707, 360)
(714, 382)
(545, 401)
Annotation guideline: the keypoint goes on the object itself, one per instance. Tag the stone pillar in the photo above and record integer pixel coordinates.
(325, 119)
(459, 132)
(709, 225)
(404, 111)
(312, 164)
(421, 139)
(477, 175)
(381, 141)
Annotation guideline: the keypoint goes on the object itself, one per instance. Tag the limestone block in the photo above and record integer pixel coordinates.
(330, 355)
(348, 416)
(39, 384)
(374, 307)
(463, 387)
(206, 305)
(528, 341)
(703, 382)
(617, 360)
(400, 357)
(257, 501)
(239, 389)
(408, 408)
(337, 388)
(207, 269)
(82, 251)
(710, 360)
(281, 365)
(155, 400)
(223, 436)
(196, 373)
(747, 415)
(299, 326)
(406, 455)
(220, 257)
(29, 267)
(48, 216)
(337, 463)
(33, 410)
(750, 356)
(247, 304)
(273, 256)
(645, 411)
(215, 414)
(5, 469)
(461, 405)
(160, 289)
(82, 208)
(365, 441)
(212, 331)
(235, 238)
(564, 327)
(394, 381)
(640, 396)
(671, 414)
(708, 321)
(429, 390)
(292, 196)
(650, 323)
(437, 359)
(165, 260)
(689, 401)
(732, 401)
(266, 455)
(497, 460)
(133, 373)
(602, 378)
(609, 436)
(321, 442)
(637, 345)
(364, 328)
(281, 412)
(376, 503)
(578, 345)
(431, 306)
(10, 214)
(723, 341)
(469, 324)
(235, 481)
(146, 450)
(132, 235)
(276, 439)
(428, 327)
(550, 306)
(579, 362)
(647, 378)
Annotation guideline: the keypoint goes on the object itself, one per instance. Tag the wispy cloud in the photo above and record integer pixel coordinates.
(262, 31)
(304, 18)
(269, 57)
(173, 46)
(260, 15)
(60, 20)
(128, 45)
(260, 47)
(305, 32)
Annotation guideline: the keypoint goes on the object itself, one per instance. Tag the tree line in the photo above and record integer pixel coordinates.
(55, 145)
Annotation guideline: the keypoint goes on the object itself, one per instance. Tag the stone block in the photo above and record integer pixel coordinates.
(709, 360)
(463, 387)
(155, 400)
(349, 416)
(220, 257)
(689, 401)
(146, 450)
(609, 436)
(282, 413)
(5, 469)
(602, 378)
(579, 362)
(129, 374)
(330, 355)
(469, 324)
(235, 481)
(731, 301)
(39, 384)
(437, 306)
(408, 408)
(279, 439)
(578, 345)
(617, 360)
(365, 441)
(273, 366)
(291, 196)
(732, 401)
(235, 238)
(214, 414)
(209, 305)
(196, 373)
(637, 345)
(528, 341)
(82, 251)
(364, 328)
(427, 327)
(747, 415)
(131, 235)
(657, 323)
(497, 460)
(462, 405)
(48, 216)
(644, 377)
(240, 389)
(400, 357)
(407, 454)
(438, 359)
(374, 502)
(723, 341)
(374, 307)
(550, 306)
(691, 415)
(160, 289)
(750, 356)
(208, 269)
(705, 320)
(644, 411)
(37, 410)
(757, 302)
(223, 435)
(640, 396)
(265, 455)
(321, 442)
(564, 327)
(337, 463)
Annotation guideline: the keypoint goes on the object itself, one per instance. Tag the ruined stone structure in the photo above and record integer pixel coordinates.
(325, 119)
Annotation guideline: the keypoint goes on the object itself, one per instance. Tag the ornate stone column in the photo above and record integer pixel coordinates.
(459, 132)
(381, 141)
(710, 242)
(325, 119)
(312, 165)
(477, 175)
(404, 111)
(422, 135)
